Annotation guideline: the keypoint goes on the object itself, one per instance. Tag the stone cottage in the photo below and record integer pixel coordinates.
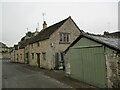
(94, 59)
(4, 51)
(19, 52)
(46, 48)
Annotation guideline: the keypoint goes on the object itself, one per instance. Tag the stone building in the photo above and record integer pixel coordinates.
(3, 47)
(13, 53)
(46, 48)
(4, 51)
(18, 53)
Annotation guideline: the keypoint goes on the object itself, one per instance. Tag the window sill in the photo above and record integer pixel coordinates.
(64, 42)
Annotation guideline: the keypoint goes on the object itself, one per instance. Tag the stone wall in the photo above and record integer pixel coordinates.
(12, 56)
(5, 55)
(118, 55)
(113, 69)
(42, 48)
(0, 55)
(19, 55)
(67, 27)
(67, 63)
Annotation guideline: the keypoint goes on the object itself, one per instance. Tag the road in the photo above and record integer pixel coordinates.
(16, 76)
(0, 74)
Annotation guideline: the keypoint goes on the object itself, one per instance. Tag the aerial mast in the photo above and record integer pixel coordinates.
(38, 26)
(27, 29)
(43, 14)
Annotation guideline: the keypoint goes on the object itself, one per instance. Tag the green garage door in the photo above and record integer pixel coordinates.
(88, 65)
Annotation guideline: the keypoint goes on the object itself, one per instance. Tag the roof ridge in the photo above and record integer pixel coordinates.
(57, 23)
(99, 35)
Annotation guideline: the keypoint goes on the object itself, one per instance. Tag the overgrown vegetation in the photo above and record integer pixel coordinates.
(29, 34)
(4, 51)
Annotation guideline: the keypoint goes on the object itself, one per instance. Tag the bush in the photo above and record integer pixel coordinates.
(56, 68)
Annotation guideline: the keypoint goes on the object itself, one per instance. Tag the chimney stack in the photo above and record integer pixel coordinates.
(106, 33)
(44, 25)
(36, 32)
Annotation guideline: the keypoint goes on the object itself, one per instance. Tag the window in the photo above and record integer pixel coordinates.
(32, 55)
(44, 56)
(38, 44)
(17, 56)
(64, 38)
(21, 56)
(32, 45)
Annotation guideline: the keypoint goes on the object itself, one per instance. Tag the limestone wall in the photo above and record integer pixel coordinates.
(5, 55)
(67, 27)
(19, 56)
(113, 68)
(42, 48)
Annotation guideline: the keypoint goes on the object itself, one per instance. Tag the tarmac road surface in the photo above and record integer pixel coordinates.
(16, 76)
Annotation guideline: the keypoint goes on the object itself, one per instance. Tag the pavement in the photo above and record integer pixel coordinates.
(60, 76)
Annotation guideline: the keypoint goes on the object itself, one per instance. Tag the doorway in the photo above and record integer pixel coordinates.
(59, 61)
(27, 58)
(38, 59)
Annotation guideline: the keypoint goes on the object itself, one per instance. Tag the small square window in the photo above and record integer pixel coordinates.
(32, 45)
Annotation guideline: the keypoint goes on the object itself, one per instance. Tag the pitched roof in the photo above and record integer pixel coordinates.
(24, 43)
(114, 34)
(26, 39)
(112, 42)
(42, 35)
(45, 33)
(2, 45)
(16, 47)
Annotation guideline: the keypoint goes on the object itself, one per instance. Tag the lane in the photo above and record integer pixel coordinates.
(16, 76)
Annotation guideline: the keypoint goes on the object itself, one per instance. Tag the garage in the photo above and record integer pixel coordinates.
(93, 59)
(88, 65)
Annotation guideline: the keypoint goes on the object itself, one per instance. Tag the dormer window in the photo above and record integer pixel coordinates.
(64, 38)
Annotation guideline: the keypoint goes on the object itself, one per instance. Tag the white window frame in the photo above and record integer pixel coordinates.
(62, 36)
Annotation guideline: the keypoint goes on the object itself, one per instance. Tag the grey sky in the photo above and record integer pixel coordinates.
(94, 17)
(119, 15)
(0, 21)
